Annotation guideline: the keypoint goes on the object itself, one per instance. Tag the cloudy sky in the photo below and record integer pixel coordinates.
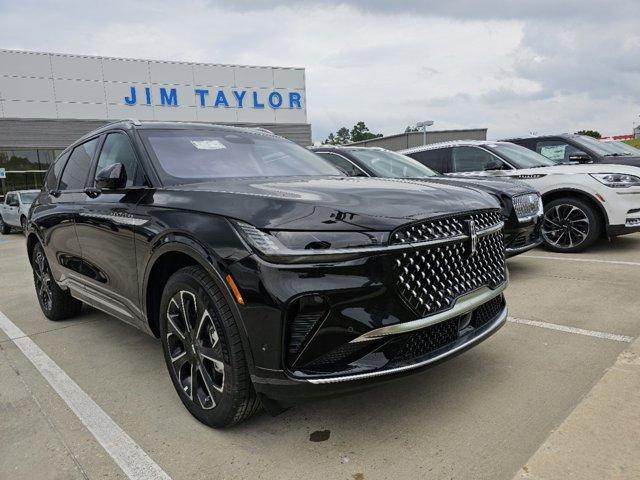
(512, 66)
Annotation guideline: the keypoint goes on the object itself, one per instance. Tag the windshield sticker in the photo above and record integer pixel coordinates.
(208, 144)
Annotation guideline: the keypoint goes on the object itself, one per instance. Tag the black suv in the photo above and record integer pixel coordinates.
(521, 204)
(574, 148)
(268, 276)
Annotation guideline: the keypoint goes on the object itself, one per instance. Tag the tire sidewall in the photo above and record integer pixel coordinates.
(595, 225)
(223, 411)
(36, 250)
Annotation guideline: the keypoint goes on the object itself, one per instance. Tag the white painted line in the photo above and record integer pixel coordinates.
(586, 260)
(575, 330)
(129, 456)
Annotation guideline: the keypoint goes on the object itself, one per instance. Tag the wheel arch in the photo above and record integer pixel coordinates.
(32, 241)
(586, 197)
(168, 258)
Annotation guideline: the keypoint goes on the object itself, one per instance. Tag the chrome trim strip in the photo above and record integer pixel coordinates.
(464, 304)
(384, 248)
(498, 322)
(528, 246)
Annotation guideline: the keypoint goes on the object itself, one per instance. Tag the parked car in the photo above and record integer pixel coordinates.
(521, 204)
(268, 275)
(574, 148)
(15, 209)
(581, 202)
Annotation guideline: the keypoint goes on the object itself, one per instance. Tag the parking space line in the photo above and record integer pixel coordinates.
(586, 260)
(127, 454)
(575, 330)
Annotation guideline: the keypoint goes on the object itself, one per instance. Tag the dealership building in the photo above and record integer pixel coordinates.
(48, 100)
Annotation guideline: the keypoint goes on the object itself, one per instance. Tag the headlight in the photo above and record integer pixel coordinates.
(527, 206)
(617, 180)
(303, 247)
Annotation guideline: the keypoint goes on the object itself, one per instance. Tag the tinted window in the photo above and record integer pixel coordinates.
(472, 159)
(200, 154)
(342, 163)
(53, 175)
(391, 164)
(436, 159)
(76, 171)
(520, 156)
(557, 150)
(118, 149)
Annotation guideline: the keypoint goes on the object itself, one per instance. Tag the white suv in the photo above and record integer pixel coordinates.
(581, 202)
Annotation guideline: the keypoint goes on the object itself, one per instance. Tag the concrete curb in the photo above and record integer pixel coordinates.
(600, 438)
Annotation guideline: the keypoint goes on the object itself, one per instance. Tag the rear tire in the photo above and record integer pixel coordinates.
(56, 304)
(203, 350)
(4, 228)
(570, 225)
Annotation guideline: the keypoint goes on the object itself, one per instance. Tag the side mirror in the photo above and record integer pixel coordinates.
(112, 177)
(580, 157)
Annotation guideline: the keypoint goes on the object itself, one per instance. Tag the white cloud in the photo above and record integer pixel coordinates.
(513, 67)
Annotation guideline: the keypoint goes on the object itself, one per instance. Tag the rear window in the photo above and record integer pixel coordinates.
(196, 155)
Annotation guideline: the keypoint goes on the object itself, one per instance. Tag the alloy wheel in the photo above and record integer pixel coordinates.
(195, 350)
(42, 277)
(565, 226)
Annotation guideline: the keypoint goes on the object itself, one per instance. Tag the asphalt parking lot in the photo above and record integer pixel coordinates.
(481, 415)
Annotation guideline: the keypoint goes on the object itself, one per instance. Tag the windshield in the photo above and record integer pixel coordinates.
(596, 146)
(623, 148)
(28, 197)
(392, 165)
(186, 156)
(521, 157)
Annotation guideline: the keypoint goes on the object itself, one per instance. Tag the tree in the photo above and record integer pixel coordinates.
(590, 133)
(361, 132)
(343, 136)
(410, 129)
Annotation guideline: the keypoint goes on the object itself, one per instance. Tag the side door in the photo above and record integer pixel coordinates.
(105, 228)
(476, 161)
(10, 210)
(56, 217)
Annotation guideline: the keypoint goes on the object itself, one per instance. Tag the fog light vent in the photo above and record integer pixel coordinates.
(304, 316)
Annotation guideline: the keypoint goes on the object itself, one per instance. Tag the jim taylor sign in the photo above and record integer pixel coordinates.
(169, 96)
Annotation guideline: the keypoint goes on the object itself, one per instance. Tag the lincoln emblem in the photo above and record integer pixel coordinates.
(473, 237)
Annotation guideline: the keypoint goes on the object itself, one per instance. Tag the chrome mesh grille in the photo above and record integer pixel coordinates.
(431, 278)
(526, 205)
(442, 228)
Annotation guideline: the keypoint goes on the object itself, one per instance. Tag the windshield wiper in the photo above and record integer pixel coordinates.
(616, 154)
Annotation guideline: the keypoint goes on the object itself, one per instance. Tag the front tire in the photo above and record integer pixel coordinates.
(4, 228)
(203, 350)
(570, 225)
(23, 224)
(55, 303)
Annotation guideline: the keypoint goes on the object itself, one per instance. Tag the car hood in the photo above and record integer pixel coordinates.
(327, 203)
(630, 161)
(502, 186)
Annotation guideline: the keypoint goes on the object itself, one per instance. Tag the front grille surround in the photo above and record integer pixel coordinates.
(431, 278)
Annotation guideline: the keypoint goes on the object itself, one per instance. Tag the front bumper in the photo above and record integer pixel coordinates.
(522, 238)
(363, 334)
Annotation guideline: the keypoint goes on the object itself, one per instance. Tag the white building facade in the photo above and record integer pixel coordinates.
(47, 100)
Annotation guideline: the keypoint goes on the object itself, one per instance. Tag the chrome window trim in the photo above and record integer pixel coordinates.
(345, 158)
